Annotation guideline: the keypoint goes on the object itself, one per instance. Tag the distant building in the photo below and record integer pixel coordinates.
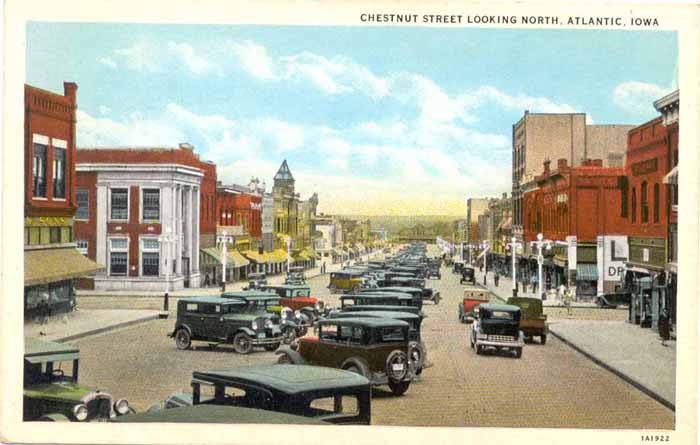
(475, 207)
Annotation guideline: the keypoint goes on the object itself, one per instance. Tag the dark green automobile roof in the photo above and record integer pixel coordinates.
(381, 307)
(216, 414)
(288, 286)
(368, 322)
(37, 351)
(377, 295)
(217, 300)
(499, 307)
(402, 289)
(250, 294)
(290, 379)
(398, 315)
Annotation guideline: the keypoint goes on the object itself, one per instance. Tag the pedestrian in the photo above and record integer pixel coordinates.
(496, 278)
(207, 280)
(44, 309)
(567, 301)
(560, 292)
(664, 327)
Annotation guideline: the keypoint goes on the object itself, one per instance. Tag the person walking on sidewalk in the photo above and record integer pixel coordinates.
(496, 277)
(560, 292)
(567, 301)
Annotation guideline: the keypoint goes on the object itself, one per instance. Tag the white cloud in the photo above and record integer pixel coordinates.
(638, 97)
(108, 61)
(254, 59)
(104, 109)
(187, 55)
(140, 57)
(103, 132)
(521, 102)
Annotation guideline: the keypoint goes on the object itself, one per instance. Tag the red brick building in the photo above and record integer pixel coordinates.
(240, 206)
(145, 214)
(583, 201)
(51, 261)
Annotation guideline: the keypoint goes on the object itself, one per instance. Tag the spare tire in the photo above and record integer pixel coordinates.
(397, 365)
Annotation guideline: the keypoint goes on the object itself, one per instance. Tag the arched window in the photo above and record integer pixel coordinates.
(634, 205)
(657, 198)
(644, 203)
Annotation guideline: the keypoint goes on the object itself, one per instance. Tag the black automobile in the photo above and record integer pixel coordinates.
(468, 275)
(425, 294)
(497, 327)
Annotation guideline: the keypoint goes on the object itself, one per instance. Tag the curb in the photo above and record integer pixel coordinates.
(106, 328)
(640, 386)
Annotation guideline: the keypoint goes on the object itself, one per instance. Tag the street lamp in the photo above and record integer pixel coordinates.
(165, 240)
(540, 243)
(224, 254)
(485, 246)
(513, 247)
(289, 253)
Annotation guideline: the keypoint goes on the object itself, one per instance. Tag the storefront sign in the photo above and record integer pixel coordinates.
(571, 251)
(47, 221)
(645, 167)
(612, 253)
(256, 206)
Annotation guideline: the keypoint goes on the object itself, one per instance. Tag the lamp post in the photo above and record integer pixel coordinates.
(540, 243)
(289, 253)
(165, 240)
(513, 247)
(485, 247)
(224, 254)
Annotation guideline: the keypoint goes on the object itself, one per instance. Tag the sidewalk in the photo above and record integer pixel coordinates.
(216, 290)
(628, 351)
(83, 322)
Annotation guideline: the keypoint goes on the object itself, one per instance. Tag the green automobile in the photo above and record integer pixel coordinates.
(325, 394)
(292, 323)
(51, 389)
(217, 414)
(218, 320)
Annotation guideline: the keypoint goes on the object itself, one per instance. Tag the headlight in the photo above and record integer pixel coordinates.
(268, 323)
(319, 305)
(254, 325)
(121, 406)
(297, 313)
(80, 412)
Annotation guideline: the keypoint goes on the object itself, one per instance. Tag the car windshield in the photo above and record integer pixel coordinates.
(301, 293)
(37, 373)
(502, 315)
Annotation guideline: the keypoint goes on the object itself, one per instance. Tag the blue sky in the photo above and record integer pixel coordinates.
(376, 120)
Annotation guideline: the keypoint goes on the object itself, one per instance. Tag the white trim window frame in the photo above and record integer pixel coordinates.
(59, 149)
(78, 201)
(128, 201)
(149, 253)
(81, 246)
(144, 218)
(39, 171)
(118, 245)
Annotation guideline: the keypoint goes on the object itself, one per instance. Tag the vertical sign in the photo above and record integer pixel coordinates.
(571, 256)
(600, 262)
(612, 252)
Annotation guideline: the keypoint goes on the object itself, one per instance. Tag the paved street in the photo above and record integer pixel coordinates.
(550, 386)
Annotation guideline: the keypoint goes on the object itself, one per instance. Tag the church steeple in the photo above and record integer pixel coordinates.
(284, 174)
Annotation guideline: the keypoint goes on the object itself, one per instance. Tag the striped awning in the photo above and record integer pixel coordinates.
(256, 257)
(586, 272)
(233, 257)
(278, 256)
(45, 266)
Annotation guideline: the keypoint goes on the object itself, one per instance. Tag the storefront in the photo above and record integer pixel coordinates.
(648, 281)
(236, 266)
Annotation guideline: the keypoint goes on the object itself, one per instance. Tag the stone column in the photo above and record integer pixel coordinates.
(101, 227)
(189, 244)
(195, 229)
(166, 222)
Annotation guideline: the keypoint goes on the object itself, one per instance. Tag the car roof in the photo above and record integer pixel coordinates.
(205, 413)
(401, 289)
(381, 307)
(360, 321)
(250, 294)
(378, 314)
(287, 286)
(377, 295)
(207, 299)
(290, 379)
(499, 307)
(38, 351)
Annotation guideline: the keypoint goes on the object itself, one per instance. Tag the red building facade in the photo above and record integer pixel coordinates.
(236, 206)
(51, 261)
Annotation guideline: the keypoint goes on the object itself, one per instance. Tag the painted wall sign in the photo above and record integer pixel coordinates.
(612, 253)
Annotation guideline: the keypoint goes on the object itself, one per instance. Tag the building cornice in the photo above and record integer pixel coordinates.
(131, 168)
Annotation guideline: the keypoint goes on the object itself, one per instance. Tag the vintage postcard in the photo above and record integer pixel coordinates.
(369, 222)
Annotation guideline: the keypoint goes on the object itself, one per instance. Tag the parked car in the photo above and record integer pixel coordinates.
(424, 294)
(218, 414)
(533, 322)
(457, 267)
(51, 389)
(345, 281)
(256, 281)
(384, 307)
(322, 393)
(390, 298)
(292, 323)
(218, 320)
(377, 348)
(297, 297)
(497, 326)
(469, 307)
(468, 275)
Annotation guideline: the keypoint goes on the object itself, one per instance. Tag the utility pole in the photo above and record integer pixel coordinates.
(513, 247)
(540, 243)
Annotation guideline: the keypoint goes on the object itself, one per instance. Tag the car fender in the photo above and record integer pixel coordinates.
(296, 358)
(289, 324)
(177, 400)
(54, 417)
(360, 364)
(245, 330)
(181, 326)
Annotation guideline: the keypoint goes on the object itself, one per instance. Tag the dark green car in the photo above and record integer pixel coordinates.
(377, 348)
(325, 394)
(220, 320)
(51, 389)
(217, 414)
(379, 298)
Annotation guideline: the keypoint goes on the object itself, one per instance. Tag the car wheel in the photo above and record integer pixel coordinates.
(518, 352)
(398, 388)
(288, 335)
(358, 366)
(242, 343)
(183, 340)
(416, 356)
(479, 349)
(543, 339)
(272, 347)
(285, 359)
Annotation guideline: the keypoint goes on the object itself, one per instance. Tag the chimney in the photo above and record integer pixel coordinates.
(546, 167)
(597, 162)
(561, 163)
(186, 146)
(69, 90)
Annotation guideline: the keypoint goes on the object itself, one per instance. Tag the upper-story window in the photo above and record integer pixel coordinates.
(119, 204)
(657, 198)
(82, 246)
(644, 204)
(634, 205)
(82, 199)
(39, 170)
(59, 172)
(151, 204)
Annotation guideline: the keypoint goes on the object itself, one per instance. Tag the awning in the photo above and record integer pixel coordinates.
(586, 272)
(50, 265)
(277, 256)
(672, 267)
(672, 176)
(233, 258)
(257, 257)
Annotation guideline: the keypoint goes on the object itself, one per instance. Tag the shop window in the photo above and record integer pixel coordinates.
(39, 170)
(66, 234)
(82, 246)
(54, 235)
(82, 200)
(59, 173)
(119, 204)
(657, 197)
(643, 200)
(151, 204)
(634, 205)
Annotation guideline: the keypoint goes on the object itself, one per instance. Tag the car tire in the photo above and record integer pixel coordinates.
(242, 343)
(272, 347)
(479, 349)
(518, 352)
(417, 354)
(358, 366)
(398, 388)
(543, 339)
(183, 339)
(397, 357)
(285, 359)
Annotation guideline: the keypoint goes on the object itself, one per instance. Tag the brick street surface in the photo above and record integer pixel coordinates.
(550, 386)
(83, 322)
